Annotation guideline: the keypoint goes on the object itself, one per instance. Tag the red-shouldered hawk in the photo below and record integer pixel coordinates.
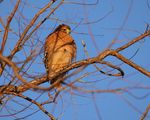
(59, 50)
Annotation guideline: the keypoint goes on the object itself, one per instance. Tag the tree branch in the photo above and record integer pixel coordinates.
(98, 59)
(145, 113)
(20, 42)
(7, 26)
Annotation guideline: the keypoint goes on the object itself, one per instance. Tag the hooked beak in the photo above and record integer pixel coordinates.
(68, 31)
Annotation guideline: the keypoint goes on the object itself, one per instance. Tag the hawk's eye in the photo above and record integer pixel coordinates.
(66, 30)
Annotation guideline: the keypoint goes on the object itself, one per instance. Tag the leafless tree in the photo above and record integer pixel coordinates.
(21, 61)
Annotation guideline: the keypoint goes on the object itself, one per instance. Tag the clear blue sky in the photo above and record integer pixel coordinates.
(130, 15)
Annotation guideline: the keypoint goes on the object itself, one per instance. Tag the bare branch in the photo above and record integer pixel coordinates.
(86, 62)
(16, 71)
(20, 42)
(130, 63)
(7, 26)
(145, 113)
(19, 73)
(17, 47)
(146, 33)
(36, 103)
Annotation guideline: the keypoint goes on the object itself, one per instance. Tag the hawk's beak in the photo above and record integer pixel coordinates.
(68, 31)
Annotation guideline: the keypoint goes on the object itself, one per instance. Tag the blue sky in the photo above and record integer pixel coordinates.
(123, 21)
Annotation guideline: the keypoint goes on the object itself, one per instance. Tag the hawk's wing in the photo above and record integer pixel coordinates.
(60, 50)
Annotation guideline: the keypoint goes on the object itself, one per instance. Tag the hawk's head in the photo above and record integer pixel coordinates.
(63, 28)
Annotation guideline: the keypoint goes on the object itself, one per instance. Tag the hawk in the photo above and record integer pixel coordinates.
(59, 51)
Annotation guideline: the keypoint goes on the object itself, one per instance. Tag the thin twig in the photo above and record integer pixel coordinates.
(34, 83)
(19, 43)
(37, 104)
(145, 113)
(146, 33)
(130, 63)
(7, 26)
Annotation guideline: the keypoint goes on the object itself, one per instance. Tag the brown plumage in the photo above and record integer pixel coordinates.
(59, 50)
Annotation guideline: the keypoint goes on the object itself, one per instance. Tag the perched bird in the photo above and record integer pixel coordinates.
(59, 51)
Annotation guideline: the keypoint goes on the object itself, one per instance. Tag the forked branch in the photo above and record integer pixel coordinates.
(98, 59)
